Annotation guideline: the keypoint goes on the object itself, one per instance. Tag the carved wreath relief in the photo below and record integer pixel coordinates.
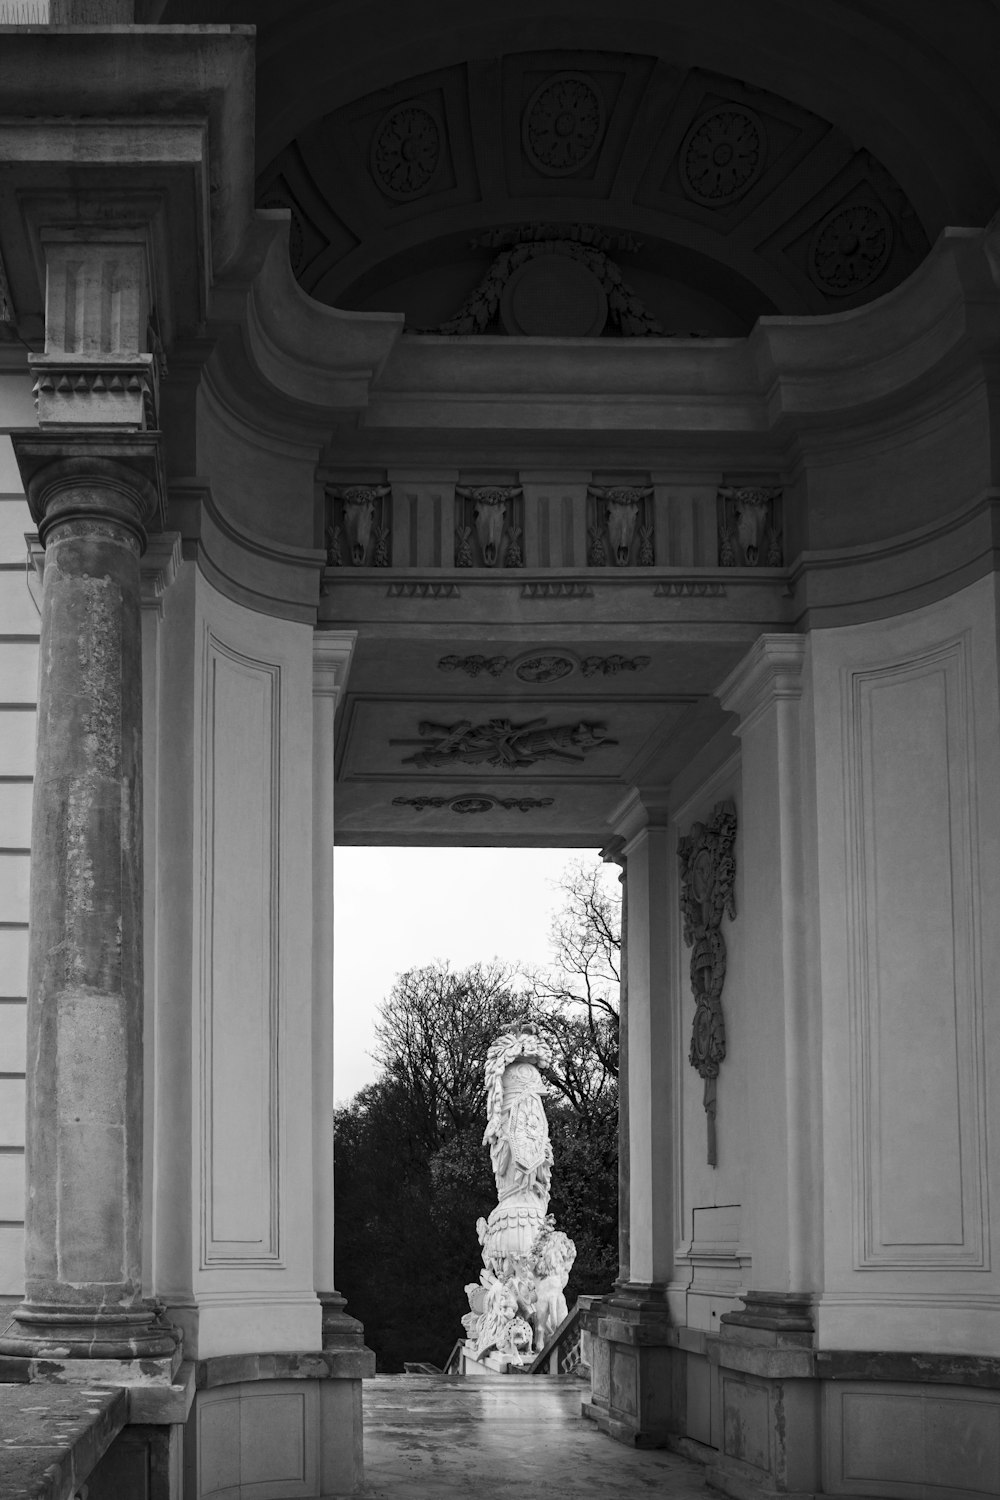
(708, 872)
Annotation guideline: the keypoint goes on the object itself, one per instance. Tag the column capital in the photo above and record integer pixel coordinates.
(643, 808)
(92, 476)
(770, 671)
(332, 653)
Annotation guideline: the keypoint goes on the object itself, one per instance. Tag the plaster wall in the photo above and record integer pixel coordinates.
(233, 1231)
(907, 753)
(18, 672)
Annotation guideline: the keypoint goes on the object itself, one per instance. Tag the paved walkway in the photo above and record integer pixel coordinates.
(434, 1437)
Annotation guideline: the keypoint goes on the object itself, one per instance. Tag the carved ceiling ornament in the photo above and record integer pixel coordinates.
(406, 150)
(749, 527)
(563, 124)
(707, 875)
(542, 667)
(474, 803)
(358, 515)
(626, 315)
(722, 155)
(850, 249)
(621, 525)
(499, 742)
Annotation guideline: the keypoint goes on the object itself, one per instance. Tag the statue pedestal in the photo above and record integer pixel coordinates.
(491, 1364)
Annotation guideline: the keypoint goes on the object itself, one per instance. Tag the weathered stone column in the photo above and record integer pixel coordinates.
(90, 495)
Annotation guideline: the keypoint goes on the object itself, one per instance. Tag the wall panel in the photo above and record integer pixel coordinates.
(915, 993)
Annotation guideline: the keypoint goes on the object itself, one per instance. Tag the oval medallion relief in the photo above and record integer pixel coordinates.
(552, 296)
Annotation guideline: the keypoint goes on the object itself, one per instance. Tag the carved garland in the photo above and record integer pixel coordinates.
(545, 666)
(708, 872)
(474, 802)
(627, 315)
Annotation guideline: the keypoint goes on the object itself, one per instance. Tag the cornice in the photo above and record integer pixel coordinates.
(332, 654)
(770, 672)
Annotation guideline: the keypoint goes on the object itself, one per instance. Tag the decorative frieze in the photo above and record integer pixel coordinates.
(689, 588)
(707, 876)
(556, 591)
(423, 591)
(474, 803)
(490, 529)
(749, 527)
(499, 742)
(357, 528)
(620, 526)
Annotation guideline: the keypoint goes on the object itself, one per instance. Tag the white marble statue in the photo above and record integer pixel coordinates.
(521, 1299)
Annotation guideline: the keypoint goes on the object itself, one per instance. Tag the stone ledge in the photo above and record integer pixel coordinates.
(761, 1359)
(313, 1364)
(53, 1437)
(930, 1369)
(161, 1406)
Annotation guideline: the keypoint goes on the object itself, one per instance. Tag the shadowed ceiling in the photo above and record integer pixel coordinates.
(649, 168)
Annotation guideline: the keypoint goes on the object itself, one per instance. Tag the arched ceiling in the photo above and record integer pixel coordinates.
(661, 166)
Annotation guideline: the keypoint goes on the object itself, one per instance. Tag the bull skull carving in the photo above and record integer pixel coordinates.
(490, 517)
(618, 511)
(753, 513)
(359, 503)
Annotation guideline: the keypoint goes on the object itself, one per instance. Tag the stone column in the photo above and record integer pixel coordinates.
(631, 1337)
(90, 495)
(612, 854)
(332, 652)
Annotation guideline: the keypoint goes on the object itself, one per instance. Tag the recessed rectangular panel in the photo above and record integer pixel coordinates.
(17, 742)
(14, 961)
(13, 1024)
(240, 958)
(11, 1260)
(11, 1111)
(916, 1004)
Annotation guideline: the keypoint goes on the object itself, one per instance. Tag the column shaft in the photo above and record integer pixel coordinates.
(83, 1219)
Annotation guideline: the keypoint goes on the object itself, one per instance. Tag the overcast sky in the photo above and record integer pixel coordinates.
(399, 909)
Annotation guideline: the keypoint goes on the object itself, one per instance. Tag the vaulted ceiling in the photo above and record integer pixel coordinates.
(653, 167)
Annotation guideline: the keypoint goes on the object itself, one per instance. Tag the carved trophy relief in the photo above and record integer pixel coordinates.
(357, 525)
(541, 667)
(489, 526)
(620, 526)
(474, 803)
(498, 742)
(707, 874)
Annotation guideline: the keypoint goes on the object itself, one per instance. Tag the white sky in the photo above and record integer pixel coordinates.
(398, 909)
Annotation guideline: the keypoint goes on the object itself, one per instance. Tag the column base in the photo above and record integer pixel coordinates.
(49, 1341)
(339, 1329)
(632, 1366)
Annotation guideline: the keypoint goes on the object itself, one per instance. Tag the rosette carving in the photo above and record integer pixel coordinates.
(563, 124)
(406, 150)
(850, 248)
(723, 155)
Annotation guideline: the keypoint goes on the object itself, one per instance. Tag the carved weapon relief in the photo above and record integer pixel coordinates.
(749, 527)
(490, 529)
(708, 872)
(500, 743)
(620, 526)
(358, 525)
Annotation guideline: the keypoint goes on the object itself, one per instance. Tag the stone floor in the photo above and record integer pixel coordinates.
(432, 1437)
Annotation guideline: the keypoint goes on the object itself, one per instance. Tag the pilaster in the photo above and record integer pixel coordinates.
(332, 652)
